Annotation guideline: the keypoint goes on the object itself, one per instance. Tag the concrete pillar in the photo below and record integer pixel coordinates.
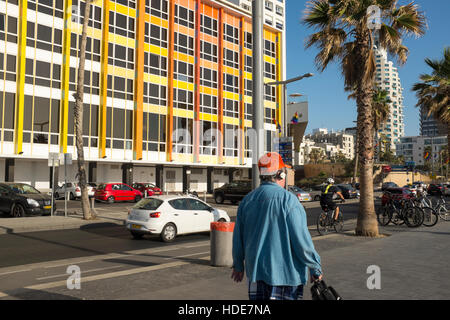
(9, 170)
(127, 173)
(209, 180)
(159, 176)
(92, 177)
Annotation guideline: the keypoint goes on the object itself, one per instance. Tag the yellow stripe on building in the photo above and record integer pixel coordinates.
(231, 95)
(153, 108)
(183, 113)
(155, 79)
(20, 76)
(232, 121)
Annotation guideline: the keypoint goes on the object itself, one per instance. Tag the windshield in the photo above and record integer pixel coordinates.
(101, 187)
(148, 204)
(296, 189)
(23, 189)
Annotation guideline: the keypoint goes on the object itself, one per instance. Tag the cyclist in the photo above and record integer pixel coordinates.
(326, 199)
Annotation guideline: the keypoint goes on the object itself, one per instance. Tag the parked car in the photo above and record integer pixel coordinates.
(73, 189)
(149, 187)
(170, 216)
(348, 191)
(396, 194)
(20, 200)
(113, 192)
(436, 189)
(447, 189)
(315, 191)
(389, 185)
(234, 191)
(300, 194)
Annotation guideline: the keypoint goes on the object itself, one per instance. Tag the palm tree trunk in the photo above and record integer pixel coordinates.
(87, 214)
(367, 224)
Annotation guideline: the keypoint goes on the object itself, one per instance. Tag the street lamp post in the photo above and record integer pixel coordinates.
(284, 84)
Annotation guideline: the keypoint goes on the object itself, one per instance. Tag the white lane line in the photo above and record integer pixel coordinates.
(123, 273)
(187, 255)
(82, 272)
(16, 271)
(65, 262)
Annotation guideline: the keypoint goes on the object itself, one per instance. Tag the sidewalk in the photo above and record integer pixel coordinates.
(412, 263)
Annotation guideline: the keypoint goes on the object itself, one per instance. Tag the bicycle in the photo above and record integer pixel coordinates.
(406, 212)
(325, 221)
(431, 216)
(443, 209)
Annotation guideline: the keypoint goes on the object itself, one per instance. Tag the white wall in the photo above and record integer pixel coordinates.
(35, 173)
(144, 174)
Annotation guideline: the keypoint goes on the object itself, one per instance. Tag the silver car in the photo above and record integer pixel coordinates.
(302, 195)
(74, 190)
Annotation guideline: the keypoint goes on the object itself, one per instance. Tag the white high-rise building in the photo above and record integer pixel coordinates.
(387, 78)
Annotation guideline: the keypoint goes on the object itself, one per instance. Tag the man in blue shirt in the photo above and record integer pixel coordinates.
(271, 240)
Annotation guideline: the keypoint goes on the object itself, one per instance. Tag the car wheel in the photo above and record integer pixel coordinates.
(137, 236)
(317, 198)
(17, 211)
(111, 199)
(219, 198)
(169, 233)
(137, 198)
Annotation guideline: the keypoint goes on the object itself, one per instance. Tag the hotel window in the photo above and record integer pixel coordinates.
(270, 48)
(184, 16)
(208, 51)
(155, 35)
(248, 40)
(182, 135)
(231, 34)
(183, 99)
(155, 64)
(183, 71)
(270, 93)
(231, 108)
(154, 132)
(230, 83)
(231, 58)
(208, 104)
(157, 8)
(208, 78)
(270, 71)
(209, 139)
(231, 134)
(208, 25)
(184, 43)
(121, 24)
(155, 94)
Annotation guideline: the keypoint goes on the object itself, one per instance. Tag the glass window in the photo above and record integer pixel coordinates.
(197, 205)
(179, 204)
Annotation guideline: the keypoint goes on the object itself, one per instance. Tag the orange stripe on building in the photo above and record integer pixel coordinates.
(138, 116)
(103, 81)
(241, 92)
(197, 82)
(220, 78)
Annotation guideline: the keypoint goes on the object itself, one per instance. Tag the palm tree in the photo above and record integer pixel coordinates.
(381, 110)
(434, 90)
(343, 35)
(78, 117)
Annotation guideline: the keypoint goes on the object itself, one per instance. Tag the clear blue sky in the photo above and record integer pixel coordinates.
(328, 104)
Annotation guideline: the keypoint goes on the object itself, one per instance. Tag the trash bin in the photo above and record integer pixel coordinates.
(222, 244)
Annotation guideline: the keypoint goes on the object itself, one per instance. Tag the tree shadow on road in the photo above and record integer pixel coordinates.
(31, 294)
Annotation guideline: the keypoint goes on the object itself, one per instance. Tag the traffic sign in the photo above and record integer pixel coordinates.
(53, 159)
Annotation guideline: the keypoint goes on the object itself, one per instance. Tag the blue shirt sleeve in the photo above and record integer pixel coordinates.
(238, 244)
(301, 241)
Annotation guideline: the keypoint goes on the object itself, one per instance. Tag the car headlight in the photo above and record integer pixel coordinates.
(33, 202)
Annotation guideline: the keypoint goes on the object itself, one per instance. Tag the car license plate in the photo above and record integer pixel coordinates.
(47, 207)
(306, 199)
(136, 226)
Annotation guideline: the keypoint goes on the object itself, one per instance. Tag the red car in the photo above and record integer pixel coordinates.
(151, 189)
(396, 194)
(113, 192)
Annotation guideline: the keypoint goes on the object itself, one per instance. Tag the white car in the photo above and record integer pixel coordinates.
(170, 216)
(74, 191)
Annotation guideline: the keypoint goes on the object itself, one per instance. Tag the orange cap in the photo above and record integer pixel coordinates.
(270, 163)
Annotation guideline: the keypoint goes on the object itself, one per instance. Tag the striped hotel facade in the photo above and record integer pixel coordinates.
(153, 67)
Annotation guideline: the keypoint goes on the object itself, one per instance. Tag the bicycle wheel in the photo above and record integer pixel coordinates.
(444, 211)
(339, 224)
(384, 216)
(413, 217)
(396, 218)
(430, 217)
(323, 224)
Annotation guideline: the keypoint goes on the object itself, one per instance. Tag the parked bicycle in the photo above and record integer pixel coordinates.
(325, 221)
(399, 212)
(442, 208)
(430, 215)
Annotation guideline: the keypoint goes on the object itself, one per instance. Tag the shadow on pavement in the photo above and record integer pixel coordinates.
(30, 294)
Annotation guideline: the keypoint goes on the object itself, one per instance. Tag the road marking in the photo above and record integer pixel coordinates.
(110, 275)
(187, 255)
(65, 262)
(17, 271)
(82, 272)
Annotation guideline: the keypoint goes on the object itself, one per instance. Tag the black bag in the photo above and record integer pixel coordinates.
(320, 291)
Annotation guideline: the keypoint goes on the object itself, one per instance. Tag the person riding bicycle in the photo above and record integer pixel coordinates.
(326, 199)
